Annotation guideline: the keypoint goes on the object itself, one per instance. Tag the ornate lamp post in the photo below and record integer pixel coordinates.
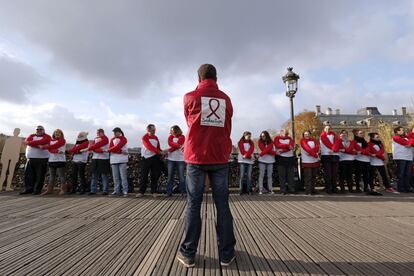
(291, 82)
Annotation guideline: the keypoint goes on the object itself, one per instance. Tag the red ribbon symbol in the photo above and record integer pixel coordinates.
(213, 110)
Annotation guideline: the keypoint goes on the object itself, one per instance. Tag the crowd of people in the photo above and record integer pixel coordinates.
(346, 163)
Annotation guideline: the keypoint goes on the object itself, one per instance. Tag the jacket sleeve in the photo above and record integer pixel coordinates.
(96, 147)
(325, 141)
(279, 145)
(149, 146)
(241, 148)
(44, 141)
(76, 148)
(55, 147)
(118, 147)
(175, 146)
(337, 144)
(401, 141)
(251, 150)
(308, 149)
(360, 149)
(263, 148)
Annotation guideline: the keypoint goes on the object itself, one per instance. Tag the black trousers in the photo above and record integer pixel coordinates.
(345, 174)
(34, 174)
(330, 165)
(381, 170)
(78, 173)
(362, 169)
(151, 166)
(309, 178)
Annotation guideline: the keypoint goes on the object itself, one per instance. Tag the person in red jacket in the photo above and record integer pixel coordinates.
(266, 160)
(176, 160)
(346, 162)
(37, 158)
(57, 162)
(330, 143)
(151, 161)
(309, 148)
(402, 153)
(362, 160)
(208, 112)
(245, 160)
(79, 160)
(100, 162)
(118, 150)
(377, 150)
(285, 160)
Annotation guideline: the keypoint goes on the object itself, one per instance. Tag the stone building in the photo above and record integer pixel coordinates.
(367, 119)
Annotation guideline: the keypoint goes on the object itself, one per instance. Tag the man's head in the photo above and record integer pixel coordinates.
(100, 132)
(151, 129)
(40, 130)
(16, 132)
(207, 71)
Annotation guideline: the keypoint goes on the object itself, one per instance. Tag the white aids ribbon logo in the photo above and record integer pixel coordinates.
(213, 112)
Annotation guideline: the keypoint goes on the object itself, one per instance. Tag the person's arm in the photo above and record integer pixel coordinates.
(96, 147)
(326, 141)
(403, 142)
(35, 143)
(118, 147)
(175, 146)
(337, 144)
(350, 148)
(241, 148)
(55, 147)
(77, 148)
(250, 151)
(282, 146)
(263, 148)
(149, 146)
(308, 149)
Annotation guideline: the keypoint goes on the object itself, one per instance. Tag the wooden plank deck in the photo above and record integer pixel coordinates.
(276, 235)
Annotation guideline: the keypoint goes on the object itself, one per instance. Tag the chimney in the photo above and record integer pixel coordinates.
(404, 111)
(394, 112)
(338, 112)
(318, 109)
(329, 111)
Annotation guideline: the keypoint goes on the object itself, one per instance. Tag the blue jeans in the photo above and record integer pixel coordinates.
(246, 168)
(94, 182)
(218, 176)
(180, 165)
(263, 167)
(117, 171)
(403, 175)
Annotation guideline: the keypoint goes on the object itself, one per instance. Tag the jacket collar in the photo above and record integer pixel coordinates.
(209, 83)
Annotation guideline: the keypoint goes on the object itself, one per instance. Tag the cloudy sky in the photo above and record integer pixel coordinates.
(79, 65)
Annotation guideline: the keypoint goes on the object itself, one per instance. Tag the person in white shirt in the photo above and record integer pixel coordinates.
(246, 161)
(118, 149)
(175, 160)
(266, 160)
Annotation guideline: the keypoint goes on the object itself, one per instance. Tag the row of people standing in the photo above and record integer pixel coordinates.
(355, 160)
(44, 151)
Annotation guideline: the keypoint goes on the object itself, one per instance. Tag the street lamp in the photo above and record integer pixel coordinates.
(291, 82)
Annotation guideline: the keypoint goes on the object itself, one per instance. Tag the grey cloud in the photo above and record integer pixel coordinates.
(131, 45)
(17, 80)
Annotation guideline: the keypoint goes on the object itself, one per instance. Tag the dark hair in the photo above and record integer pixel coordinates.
(303, 134)
(372, 134)
(150, 126)
(101, 130)
(207, 71)
(398, 128)
(118, 129)
(267, 135)
(244, 134)
(343, 131)
(177, 129)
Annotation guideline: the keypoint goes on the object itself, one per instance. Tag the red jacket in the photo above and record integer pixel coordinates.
(208, 112)
(332, 146)
(118, 147)
(311, 151)
(246, 154)
(379, 154)
(363, 151)
(78, 147)
(35, 143)
(97, 147)
(175, 146)
(349, 149)
(284, 147)
(55, 147)
(266, 149)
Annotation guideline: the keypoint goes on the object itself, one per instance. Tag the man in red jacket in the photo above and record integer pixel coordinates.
(208, 112)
